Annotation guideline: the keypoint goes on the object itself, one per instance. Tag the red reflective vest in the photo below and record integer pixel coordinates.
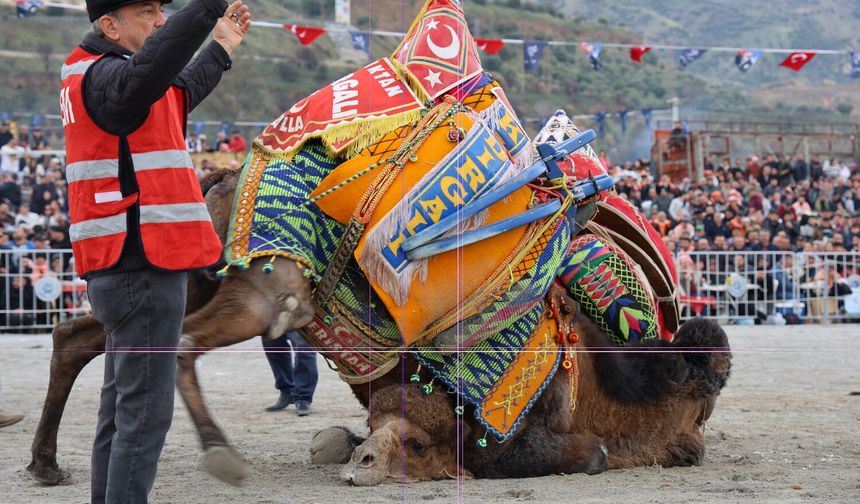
(176, 231)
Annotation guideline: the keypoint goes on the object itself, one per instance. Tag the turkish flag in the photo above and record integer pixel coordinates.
(305, 34)
(797, 60)
(637, 52)
(490, 46)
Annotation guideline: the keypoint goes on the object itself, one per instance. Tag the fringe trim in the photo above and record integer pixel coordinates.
(363, 132)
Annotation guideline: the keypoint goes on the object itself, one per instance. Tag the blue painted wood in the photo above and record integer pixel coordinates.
(482, 233)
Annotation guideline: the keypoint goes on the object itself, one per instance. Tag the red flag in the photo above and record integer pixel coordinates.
(797, 60)
(439, 51)
(490, 46)
(637, 52)
(305, 34)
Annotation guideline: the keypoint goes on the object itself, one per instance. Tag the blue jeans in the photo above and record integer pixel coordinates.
(142, 313)
(299, 379)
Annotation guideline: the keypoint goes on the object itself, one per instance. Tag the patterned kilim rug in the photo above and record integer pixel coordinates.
(503, 376)
(272, 218)
(604, 282)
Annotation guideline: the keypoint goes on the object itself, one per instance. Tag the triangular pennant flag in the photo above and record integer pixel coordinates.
(690, 55)
(622, 115)
(593, 52)
(745, 59)
(797, 60)
(532, 52)
(305, 34)
(438, 51)
(600, 119)
(647, 113)
(855, 65)
(490, 46)
(637, 52)
(27, 8)
(360, 41)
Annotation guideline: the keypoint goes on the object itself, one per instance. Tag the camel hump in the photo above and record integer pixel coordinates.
(209, 181)
(710, 368)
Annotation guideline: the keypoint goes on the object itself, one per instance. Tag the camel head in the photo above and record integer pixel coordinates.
(412, 439)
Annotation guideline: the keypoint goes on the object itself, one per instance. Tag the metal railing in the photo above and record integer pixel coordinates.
(39, 288)
(770, 287)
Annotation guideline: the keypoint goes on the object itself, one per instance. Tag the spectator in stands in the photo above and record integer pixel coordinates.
(5, 133)
(221, 143)
(26, 218)
(204, 143)
(237, 143)
(11, 155)
(193, 143)
(38, 140)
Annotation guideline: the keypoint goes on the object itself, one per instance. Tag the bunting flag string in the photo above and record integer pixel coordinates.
(797, 60)
(533, 51)
(746, 59)
(637, 52)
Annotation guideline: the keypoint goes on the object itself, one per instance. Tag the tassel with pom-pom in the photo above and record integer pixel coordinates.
(269, 267)
(222, 273)
(416, 376)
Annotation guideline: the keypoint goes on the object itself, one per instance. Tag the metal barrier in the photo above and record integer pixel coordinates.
(770, 287)
(39, 288)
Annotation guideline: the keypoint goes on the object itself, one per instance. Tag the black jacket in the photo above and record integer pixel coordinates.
(122, 86)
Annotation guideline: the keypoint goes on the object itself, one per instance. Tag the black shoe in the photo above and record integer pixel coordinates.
(283, 401)
(303, 408)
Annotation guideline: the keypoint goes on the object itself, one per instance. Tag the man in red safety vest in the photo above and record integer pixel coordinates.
(139, 221)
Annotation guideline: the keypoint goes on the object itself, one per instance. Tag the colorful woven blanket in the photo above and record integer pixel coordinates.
(504, 375)
(607, 286)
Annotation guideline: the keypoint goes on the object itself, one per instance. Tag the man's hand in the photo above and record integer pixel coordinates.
(231, 29)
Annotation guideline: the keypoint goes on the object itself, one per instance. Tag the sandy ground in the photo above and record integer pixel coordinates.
(785, 430)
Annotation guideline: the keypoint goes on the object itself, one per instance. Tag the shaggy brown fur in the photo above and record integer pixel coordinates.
(610, 428)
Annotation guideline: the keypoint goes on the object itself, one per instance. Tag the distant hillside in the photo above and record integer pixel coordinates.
(799, 24)
(272, 71)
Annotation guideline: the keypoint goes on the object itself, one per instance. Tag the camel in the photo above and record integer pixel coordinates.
(636, 408)
(640, 405)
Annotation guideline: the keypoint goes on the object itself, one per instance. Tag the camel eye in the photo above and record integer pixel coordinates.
(415, 445)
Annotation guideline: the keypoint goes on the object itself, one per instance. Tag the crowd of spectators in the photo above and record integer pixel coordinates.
(34, 218)
(779, 204)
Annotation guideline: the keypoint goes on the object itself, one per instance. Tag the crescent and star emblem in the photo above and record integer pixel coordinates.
(448, 52)
(797, 58)
(298, 107)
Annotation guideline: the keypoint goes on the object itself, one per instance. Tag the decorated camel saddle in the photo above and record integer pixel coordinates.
(428, 220)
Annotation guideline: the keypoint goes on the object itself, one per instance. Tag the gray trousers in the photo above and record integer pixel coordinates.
(142, 313)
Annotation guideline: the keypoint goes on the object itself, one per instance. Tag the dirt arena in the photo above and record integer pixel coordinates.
(785, 430)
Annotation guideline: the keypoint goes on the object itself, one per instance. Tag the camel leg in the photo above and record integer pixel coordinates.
(247, 304)
(76, 343)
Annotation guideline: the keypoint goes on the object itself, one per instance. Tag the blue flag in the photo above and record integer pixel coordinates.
(622, 115)
(855, 65)
(593, 52)
(745, 59)
(690, 55)
(27, 8)
(360, 41)
(600, 119)
(37, 121)
(646, 113)
(532, 52)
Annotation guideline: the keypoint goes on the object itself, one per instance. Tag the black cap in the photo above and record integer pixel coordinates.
(98, 8)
